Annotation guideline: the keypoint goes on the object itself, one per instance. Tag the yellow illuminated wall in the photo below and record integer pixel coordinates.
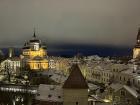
(41, 52)
(136, 53)
(38, 65)
(41, 64)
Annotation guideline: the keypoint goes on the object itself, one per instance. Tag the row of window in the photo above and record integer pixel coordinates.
(38, 66)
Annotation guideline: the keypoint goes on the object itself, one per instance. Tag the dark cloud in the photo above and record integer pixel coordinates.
(111, 22)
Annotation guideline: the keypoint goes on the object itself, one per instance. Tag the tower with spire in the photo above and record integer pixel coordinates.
(75, 88)
(136, 50)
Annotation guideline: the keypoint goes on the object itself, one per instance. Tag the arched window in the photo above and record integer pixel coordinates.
(38, 65)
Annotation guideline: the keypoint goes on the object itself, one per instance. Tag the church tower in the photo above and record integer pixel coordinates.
(136, 50)
(75, 88)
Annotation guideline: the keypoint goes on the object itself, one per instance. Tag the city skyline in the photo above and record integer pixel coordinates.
(69, 52)
(60, 22)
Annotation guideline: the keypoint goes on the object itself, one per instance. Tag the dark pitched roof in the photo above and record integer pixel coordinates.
(26, 47)
(75, 79)
(35, 40)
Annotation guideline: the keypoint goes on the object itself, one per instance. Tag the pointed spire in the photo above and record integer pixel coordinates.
(34, 34)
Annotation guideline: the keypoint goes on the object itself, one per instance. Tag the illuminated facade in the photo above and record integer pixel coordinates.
(136, 50)
(34, 55)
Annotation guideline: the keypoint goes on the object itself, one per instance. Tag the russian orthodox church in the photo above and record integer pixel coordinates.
(136, 50)
(34, 55)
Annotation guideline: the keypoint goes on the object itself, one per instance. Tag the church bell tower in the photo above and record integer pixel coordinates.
(136, 50)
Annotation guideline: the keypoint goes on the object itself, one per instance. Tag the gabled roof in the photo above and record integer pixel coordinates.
(131, 90)
(75, 79)
(116, 86)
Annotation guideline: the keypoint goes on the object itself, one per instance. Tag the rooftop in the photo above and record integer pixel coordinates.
(75, 79)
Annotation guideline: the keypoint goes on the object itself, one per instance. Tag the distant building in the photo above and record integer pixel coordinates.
(34, 55)
(136, 50)
(12, 64)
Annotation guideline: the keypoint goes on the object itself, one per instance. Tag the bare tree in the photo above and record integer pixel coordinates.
(8, 71)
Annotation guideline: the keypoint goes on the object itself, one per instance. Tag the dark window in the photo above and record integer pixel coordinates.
(124, 78)
(38, 94)
(38, 65)
(59, 96)
(76, 103)
(120, 78)
(122, 93)
(49, 95)
(128, 101)
(138, 100)
(50, 75)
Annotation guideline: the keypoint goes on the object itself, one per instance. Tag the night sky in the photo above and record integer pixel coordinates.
(89, 22)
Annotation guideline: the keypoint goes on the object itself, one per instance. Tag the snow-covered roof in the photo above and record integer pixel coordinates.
(55, 75)
(58, 78)
(95, 57)
(116, 86)
(131, 91)
(92, 86)
(50, 93)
